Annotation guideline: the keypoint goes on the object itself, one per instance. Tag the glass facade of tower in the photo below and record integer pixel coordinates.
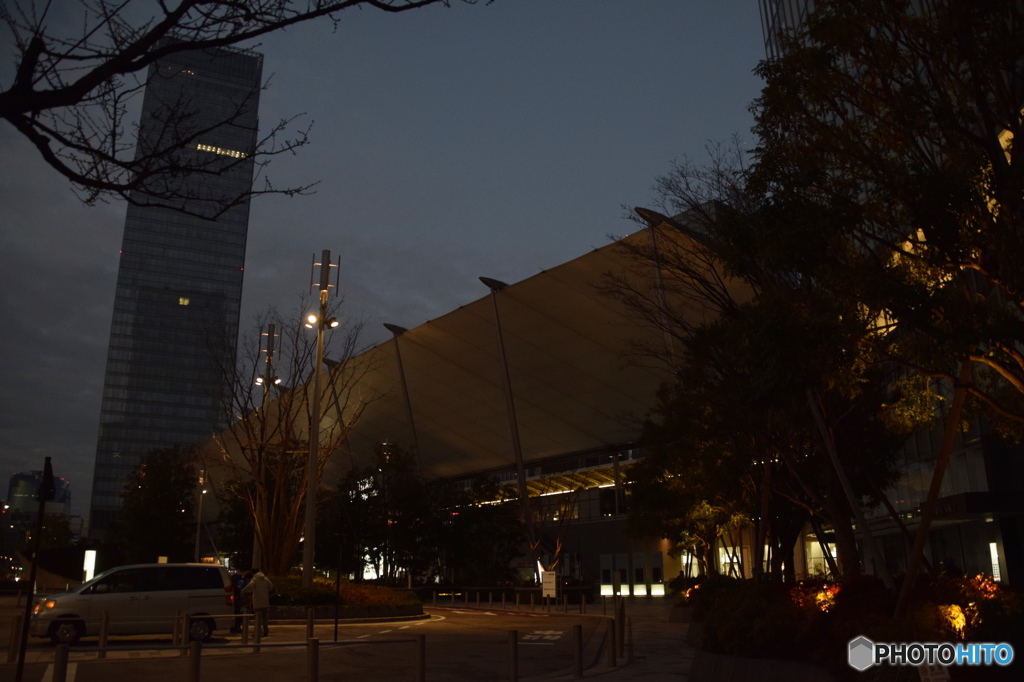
(179, 283)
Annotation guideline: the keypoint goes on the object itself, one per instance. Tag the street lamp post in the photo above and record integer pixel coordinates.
(320, 322)
(265, 381)
(199, 509)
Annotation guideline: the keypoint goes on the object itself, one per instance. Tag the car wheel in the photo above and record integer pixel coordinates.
(200, 629)
(66, 631)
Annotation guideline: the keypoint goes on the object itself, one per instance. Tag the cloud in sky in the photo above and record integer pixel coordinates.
(492, 140)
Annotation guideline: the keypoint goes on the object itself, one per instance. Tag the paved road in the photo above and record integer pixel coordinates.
(460, 643)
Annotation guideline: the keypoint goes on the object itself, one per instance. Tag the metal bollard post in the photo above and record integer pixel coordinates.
(104, 630)
(421, 658)
(611, 642)
(629, 640)
(478, 598)
(175, 628)
(517, 601)
(309, 621)
(453, 597)
(620, 626)
(60, 663)
(195, 652)
(531, 601)
(513, 656)
(577, 650)
(503, 600)
(256, 636)
(313, 659)
(465, 597)
(435, 598)
(15, 643)
(490, 600)
(186, 621)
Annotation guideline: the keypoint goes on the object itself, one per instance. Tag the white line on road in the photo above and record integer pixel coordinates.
(48, 675)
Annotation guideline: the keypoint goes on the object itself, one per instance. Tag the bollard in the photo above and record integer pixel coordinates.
(421, 658)
(490, 601)
(604, 605)
(435, 598)
(104, 630)
(15, 643)
(531, 601)
(256, 637)
(186, 621)
(453, 597)
(175, 628)
(517, 601)
(478, 598)
(565, 598)
(465, 598)
(610, 639)
(513, 656)
(245, 630)
(309, 621)
(313, 659)
(629, 640)
(620, 625)
(195, 657)
(503, 600)
(577, 650)
(60, 663)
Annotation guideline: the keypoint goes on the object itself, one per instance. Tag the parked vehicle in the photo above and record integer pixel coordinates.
(139, 599)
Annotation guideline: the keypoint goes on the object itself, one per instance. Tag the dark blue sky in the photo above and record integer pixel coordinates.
(449, 143)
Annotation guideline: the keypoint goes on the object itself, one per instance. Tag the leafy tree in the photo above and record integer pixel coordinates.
(262, 457)
(56, 532)
(387, 515)
(159, 504)
(772, 366)
(76, 71)
(888, 138)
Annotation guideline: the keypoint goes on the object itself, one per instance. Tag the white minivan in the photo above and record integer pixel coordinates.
(140, 599)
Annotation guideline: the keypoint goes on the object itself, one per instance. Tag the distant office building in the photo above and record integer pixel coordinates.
(22, 503)
(179, 283)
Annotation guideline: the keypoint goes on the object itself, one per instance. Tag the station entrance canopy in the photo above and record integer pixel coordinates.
(573, 386)
(576, 387)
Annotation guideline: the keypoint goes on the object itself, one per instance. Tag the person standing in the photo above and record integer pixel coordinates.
(260, 587)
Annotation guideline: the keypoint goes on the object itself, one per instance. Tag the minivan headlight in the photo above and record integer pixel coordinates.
(44, 605)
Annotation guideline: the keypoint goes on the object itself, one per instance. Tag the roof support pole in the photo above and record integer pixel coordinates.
(397, 331)
(524, 501)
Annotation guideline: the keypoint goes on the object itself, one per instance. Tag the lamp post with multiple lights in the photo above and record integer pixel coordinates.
(265, 381)
(320, 322)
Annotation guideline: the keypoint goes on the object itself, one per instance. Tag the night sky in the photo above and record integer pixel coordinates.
(491, 140)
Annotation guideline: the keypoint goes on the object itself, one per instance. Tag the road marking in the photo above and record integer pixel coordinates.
(48, 675)
(383, 632)
(362, 636)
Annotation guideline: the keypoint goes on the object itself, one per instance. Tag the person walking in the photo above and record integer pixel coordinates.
(260, 587)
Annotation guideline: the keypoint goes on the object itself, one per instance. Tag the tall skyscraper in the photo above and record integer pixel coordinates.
(179, 283)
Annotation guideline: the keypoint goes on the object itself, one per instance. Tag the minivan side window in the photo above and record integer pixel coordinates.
(131, 580)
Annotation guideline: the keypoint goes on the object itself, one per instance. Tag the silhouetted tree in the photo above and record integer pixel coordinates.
(158, 508)
(76, 70)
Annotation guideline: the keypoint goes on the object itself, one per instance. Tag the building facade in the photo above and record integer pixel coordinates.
(179, 283)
